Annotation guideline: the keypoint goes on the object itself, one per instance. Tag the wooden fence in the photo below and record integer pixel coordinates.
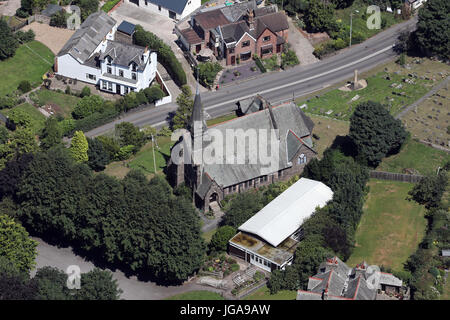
(395, 176)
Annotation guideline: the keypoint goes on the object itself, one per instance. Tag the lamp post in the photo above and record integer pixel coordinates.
(351, 22)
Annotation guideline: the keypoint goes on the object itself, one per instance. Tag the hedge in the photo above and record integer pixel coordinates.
(259, 64)
(109, 5)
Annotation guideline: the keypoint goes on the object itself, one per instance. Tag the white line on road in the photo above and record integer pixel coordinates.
(306, 79)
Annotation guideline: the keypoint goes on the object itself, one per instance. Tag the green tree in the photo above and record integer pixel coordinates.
(319, 17)
(183, 114)
(22, 141)
(429, 190)
(24, 86)
(242, 208)
(98, 156)
(207, 72)
(110, 145)
(51, 284)
(16, 245)
(128, 134)
(219, 240)
(375, 132)
(20, 118)
(52, 133)
(79, 147)
(4, 135)
(98, 285)
(432, 34)
(153, 93)
(59, 19)
(87, 106)
(87, 7)
(8, 43)
(85, 92)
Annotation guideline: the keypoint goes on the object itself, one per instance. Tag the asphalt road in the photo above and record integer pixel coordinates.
(285, 85)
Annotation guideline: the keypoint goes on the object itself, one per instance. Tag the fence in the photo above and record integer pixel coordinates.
(395, 176)
(251, 290)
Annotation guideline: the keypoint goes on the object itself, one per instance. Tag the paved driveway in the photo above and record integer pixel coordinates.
(133, 289)
(300, 45)
(159, 25)
(8, 8)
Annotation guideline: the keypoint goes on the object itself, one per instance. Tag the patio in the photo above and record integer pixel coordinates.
(241, 72)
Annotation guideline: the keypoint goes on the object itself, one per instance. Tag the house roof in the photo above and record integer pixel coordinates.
(238, 10)
(173, 5)
(51, 10)
(390, 280)
(211, 19)
(86, 39)
(285, 214)
(126, 27)
(124, 54)
(191, 36)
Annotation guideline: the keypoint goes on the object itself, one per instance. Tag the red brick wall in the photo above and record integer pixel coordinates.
(239, 49)
(261, 43)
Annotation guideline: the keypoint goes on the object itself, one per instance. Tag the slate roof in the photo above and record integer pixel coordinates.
(238, 10)
(126, 27)
(51, 10)
(173, 5)
(211, 19)
(191, 36)
(287, 117)
(343, 283)
(123, 54)
(86, 39)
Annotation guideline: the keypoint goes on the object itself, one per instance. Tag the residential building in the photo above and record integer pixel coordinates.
(336, 281)
(94, 54)
(268, 239)
(237, 32)
(174, 9)
(211, 182)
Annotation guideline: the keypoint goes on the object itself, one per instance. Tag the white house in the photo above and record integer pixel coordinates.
(174, 9)
(416, 3)
(268, 239)
(92, 55)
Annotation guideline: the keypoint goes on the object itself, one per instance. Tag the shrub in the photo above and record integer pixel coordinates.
(87, 106)
(219, 240)
(125, 152)
(22, 13)
(208, 71)
(24, 86)
(259, 64)
(141, 98)
(153, 93)
(86, 92)
(8, 102)
(68, 90)
(289, 59)
(109, 5)
(24, 37)
(235, 267)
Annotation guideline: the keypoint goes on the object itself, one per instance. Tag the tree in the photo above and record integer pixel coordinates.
(85, 92)
(8, 43)
(429, 190)
(153, 93)
(432, 35)
(87, 7)
(128, 134)
(219, 240)
(98, 156)
(52, 133)
(98, 285)
(59, 19)
(110, 145)
(24, 86)
(51, 284)
(183, 114)
(207, 72)
(242, 208)
(16, 245)
(16, 287)
(375, 132)
(20, 118)
(79, 147)
(319, 17)
(22, 141)
(87, 106)
(4, 135)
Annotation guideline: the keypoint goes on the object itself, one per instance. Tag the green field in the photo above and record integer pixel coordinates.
(391, 227)
(64, 102)
(31, 62)
(264, 294)
(37, 118)
(424, 159)
(144, 158)
(378, 89)
(197, 295)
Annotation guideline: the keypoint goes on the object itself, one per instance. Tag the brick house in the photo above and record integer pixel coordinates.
(237, 32)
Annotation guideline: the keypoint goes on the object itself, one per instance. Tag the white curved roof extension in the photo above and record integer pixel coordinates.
(285, 214)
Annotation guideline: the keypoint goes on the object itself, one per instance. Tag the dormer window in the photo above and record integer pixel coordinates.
(120, 73)
(133, 67)
(108, 60)
(133, 76)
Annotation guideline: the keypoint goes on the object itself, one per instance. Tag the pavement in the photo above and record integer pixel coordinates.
(282, 86)
(9, 8)
(133, 289)
(300, 45)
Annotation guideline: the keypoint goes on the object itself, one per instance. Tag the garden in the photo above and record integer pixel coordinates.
(219, 265)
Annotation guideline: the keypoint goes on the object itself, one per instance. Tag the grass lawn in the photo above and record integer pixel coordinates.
(37, 118)
(391, 227)
(65, 103)
(143, 160)
(31, 62)
(379, 90)
(264, 294)
(326, 130)
(220, 119)
(197, 295)
(423, 158)
(208, 235)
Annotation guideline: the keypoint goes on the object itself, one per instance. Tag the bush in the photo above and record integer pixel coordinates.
(219, 240)
(259, 64)
(207, 72)
(68, 90)
(7, 102)
(125, 152)
(24, 86)
(109, 5)
(22, 13)
(86, 92)
(87, 106)
(153, 93)
(24, 37)
(289, 59)
(235, 267)
(59, 19)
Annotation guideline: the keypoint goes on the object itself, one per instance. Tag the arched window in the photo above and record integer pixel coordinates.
(301, 159)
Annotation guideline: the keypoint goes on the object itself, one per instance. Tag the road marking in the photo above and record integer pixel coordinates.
(306, 79)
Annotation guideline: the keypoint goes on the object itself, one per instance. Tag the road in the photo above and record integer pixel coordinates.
(282, 86)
